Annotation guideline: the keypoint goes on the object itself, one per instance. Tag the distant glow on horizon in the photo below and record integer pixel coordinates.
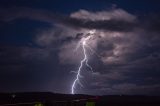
(83, 43)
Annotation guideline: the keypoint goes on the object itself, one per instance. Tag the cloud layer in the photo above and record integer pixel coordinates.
(124, 50)
(106, 23)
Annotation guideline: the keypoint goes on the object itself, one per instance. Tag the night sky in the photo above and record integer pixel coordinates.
(39, 39)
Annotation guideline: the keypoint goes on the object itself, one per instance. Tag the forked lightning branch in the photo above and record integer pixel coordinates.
(84, 61)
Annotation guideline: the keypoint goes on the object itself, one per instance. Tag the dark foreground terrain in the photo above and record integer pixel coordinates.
(52, 99)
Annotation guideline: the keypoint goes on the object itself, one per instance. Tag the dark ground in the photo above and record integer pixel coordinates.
(52, 99)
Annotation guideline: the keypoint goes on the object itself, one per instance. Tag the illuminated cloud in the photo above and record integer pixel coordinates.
(112, 14)
(127, 48)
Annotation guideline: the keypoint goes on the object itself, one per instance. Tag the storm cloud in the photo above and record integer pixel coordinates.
(108, 23)
(126, 49)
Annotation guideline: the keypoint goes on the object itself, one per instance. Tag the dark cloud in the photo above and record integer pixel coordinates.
(152, 22)
(9, 14)
(112, 24)
(126, 53)
(25, 68)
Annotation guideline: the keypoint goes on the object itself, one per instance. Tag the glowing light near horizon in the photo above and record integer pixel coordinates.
(83, 43)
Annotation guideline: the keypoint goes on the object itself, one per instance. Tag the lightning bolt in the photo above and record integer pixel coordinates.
(83, 61)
